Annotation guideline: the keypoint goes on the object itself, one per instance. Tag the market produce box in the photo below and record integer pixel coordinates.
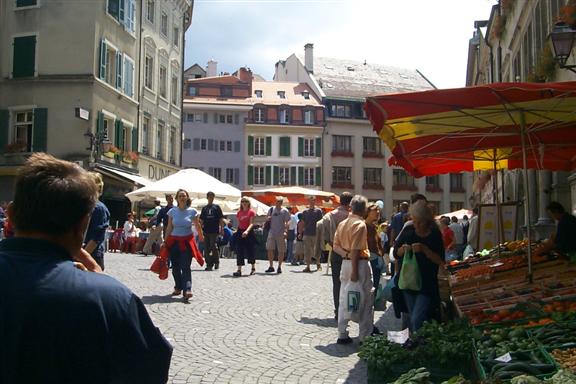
(534, 362)
(555, 335)
(564, 358)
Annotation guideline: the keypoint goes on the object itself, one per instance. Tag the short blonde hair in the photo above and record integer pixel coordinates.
(98, 180)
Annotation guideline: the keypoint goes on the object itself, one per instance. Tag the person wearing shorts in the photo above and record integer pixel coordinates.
(279, 218)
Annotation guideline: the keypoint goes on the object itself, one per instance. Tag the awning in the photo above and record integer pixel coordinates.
(124, 175)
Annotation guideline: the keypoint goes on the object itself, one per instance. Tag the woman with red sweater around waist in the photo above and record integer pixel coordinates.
(180, 243)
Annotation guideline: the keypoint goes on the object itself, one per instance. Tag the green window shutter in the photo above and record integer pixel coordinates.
(25, 3)
(284, 146)
(100, 123)
(40, 130)
(135, 139)
(318, 176)
(4, 122)
(250, 175)
(293, 175)
(275, 175)
(250, 145)
(103, 59)
(318, 148)
(300, 146)
(300, 176)
(268, 145)
(119, 134)
(288, 145)
(114, 8)
(118, 70)
(24, 56)
(281, 146)
(268, 175)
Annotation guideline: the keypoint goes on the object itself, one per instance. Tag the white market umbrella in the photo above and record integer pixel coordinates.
(459, 214)
(194, 181)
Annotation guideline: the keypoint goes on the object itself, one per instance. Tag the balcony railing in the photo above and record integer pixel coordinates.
(404, 187)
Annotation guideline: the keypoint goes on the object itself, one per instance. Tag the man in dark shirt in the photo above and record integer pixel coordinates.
(59, 323)
(99, 223)
(564, 240)
(311, 216)
(212, 221)
(162, 217)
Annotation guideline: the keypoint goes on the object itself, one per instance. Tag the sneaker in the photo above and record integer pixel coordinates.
(294, 263)
(306, 270)
(302, 263)
(319, 267)
(237, 274)
(208, 268)
(344, 340)
(216, 266)
(375, 331)
(270, 270)
(279, 270)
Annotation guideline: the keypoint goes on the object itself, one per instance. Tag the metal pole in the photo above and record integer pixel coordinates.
(496, 200)
(527, 193)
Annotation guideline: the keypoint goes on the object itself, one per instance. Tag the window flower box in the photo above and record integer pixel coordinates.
(458, 190)
(342, 154)
(372, 155)
(378, 187)
(404, 187)
(433, 189)
(15, 148)
(342, 185)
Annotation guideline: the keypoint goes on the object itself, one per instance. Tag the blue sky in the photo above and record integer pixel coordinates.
(429, 35)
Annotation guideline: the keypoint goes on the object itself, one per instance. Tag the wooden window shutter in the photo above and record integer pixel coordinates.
(216, 143)
(103, 59)
(268, 175)
(236, 176)
(250, 177)
(196, 144)
(4, 129)
(236, 118)
(215, 118)
(210, 144)
(300, 146)
(275, 175)
(119, 134)
(268, 145)
(134, 139)
(237, 146)
(100, 122)
(205, 117)
(293, 171)
(250, 145)
(40, 130)
(318, 147)
(118, 70)
(318, 178)
(24, 56)
(300, 175)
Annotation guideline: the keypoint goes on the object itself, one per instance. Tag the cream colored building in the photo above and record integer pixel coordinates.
(72, 87)
(354, 159)
(513, 45)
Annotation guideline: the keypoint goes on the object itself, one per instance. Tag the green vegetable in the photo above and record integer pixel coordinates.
(525, 379)
(414, 376)
(457, 380)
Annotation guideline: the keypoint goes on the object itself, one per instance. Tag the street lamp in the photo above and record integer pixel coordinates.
(562, 37)
(100, 139)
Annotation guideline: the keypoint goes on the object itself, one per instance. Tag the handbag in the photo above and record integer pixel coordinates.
(380, 300)
(410, 278)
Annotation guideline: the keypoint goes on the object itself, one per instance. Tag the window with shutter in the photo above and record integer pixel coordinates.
(4, 129)
(300, 146)
(23, 123)
(250, 145)
(237, 146)
(275, 175)
(285, 146)
(250, 175)
(319, 176)
(268, 178)
(300, 176)
(268, 145)
(103, 59)
(293, 175)
(237, 176)
(196, 144)
(128, 76)
(118, 70)
(134, 139)
(210, 144)
(24, 56)
(205, 117)
(114, 8)
(25, 3)
(318, 147)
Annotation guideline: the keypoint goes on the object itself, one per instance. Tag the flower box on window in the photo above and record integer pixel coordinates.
(404, 187)
(372, 155)
(342, 154)
(433, 189)
(17, 147)
(458, 190)
(378, 187)
(342, 185)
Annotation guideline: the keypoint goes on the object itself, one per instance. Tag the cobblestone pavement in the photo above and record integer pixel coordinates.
(265, 328)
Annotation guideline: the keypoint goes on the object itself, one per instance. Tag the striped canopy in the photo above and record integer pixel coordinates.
(475, 128)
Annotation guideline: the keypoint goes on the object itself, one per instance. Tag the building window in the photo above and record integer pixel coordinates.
(284, 175)
(124, 11)
(116, 69)
(372, 146)
(282, 94)
(309, 176)
(309, 147)
(258, 93)
(284, 116)
(23, 123)
(174, 90)
(160, 140)
(259, 176)
(25, 3)
(434, 207)
(148, 72)
(163, 80)
(225, 145)
(176, 37)
(456, 206)
(216, 173)
(230, 175)
(203, 144)
(259, 115)
(402, 180)
(229, 146)
(342, 175)
(150, 10)
(456, 182)
(226, 91)
(192, 91)
(259, 146)
(189, 117)
(340, 110)
(187, 144)
(24, 57)
(373, 176)
(342, 144)
(145, 132)
(433, 184)
(306, 95)
(308, 116)
(229, 119)
(128, 76)
(172, 146)
(164, 24)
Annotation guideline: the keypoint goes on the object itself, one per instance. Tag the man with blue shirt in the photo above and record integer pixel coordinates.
(59, 323)
(99, 223)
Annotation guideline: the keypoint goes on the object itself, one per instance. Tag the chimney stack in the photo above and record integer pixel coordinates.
(245, 75)
(212, 68)
(309, 57)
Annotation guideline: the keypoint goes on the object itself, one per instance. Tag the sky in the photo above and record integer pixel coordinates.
(429, 35)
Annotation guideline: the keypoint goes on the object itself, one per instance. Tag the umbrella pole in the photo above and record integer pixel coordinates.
(527, 192)
(497, 201)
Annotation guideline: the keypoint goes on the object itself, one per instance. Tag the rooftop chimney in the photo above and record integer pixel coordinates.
(212, 68)
(245, 74)
(309, 57)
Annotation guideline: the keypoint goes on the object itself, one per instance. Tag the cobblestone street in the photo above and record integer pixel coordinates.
(253, 329)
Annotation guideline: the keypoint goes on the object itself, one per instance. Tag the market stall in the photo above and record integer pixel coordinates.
(294, 196)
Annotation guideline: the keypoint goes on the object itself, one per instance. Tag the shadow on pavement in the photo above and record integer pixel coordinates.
(338, 350)
(328, 322)
(358, 374)
(156, 299)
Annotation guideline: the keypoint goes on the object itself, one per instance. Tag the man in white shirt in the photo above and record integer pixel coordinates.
(458, 236)
(290, 237)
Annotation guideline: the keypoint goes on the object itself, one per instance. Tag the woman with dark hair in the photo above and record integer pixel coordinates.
(181, 244)
(425, 240)
(244, 238)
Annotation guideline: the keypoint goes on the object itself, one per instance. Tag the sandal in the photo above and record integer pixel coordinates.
(176, 292)
(237, 274)
(253, 271)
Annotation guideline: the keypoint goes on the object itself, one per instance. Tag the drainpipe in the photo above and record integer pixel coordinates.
(182, 90)
(139, 86)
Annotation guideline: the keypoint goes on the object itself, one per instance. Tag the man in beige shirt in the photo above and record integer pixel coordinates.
(351, 242)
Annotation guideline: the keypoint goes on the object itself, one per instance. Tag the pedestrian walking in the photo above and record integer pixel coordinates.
(244, 238)
(212, 221)
(398, 220)
(279, 218)
(448, 239)
(291, 237)
(181, 244)
(374, 243)
(163, 214)
(351, 242)
(156, 230)
(473, 232)
(299, 243)
(99, 223)
(459, 244)
(310, 217)
(60, 324)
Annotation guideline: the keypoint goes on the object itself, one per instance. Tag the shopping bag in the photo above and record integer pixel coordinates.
(387, 291)
(410, 277)
(160, 267)
(352, 301)
(380, 300)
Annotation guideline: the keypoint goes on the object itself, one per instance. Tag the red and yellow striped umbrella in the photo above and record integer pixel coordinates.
(482, 127)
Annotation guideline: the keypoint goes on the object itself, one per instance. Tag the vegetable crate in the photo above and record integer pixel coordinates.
(536, 363)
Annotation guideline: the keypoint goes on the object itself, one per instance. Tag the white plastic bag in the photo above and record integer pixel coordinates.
(353, 300)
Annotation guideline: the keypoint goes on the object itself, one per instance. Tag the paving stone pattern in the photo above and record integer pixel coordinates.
(265, 328)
